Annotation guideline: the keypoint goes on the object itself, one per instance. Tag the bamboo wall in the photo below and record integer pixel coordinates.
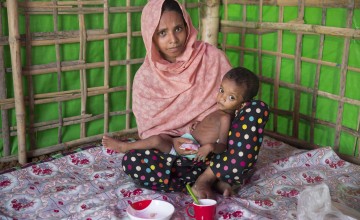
(68, 80)
(302, 111)
(84, 88)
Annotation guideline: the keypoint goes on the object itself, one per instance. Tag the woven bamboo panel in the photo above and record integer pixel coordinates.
(106, 24)
(245, 27)
(291, 124)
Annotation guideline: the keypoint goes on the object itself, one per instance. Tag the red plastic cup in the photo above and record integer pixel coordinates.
(205, 211)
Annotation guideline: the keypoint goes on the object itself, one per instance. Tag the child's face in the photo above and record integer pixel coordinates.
(170, 35)
(230, 96)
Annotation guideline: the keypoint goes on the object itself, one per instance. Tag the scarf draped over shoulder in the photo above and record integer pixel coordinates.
(168, 97)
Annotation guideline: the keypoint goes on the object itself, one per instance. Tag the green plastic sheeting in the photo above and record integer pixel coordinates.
(70, 80)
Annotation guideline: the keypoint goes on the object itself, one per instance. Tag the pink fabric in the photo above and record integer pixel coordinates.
(167, 97)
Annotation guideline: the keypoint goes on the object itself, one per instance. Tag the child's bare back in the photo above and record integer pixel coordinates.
(213, 128)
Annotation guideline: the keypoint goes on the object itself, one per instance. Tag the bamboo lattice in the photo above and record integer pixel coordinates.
(300, 29)
(215, 21)
(26, 126)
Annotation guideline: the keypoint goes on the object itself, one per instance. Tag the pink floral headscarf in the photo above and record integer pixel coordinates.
(168, 97)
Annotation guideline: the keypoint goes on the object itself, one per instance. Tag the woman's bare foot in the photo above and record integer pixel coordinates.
(224, 188)
(203, 185)
(113, 144)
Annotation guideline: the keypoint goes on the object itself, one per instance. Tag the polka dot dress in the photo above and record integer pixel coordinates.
(160, 171)
(244, 142)
(168, 173)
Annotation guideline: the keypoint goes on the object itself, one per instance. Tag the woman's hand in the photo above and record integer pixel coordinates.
(177, 142)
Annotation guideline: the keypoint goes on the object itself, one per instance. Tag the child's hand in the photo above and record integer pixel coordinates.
(193, 126)
(203, 152)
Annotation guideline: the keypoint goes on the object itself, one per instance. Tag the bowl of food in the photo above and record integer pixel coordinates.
(150, 209)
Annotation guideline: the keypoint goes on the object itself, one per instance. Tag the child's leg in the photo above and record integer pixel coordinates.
(158, 142)
(244, 143)
(204, 183)
(202, 187)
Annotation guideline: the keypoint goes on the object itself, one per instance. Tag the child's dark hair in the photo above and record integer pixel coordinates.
(171, 5)
(247, 79)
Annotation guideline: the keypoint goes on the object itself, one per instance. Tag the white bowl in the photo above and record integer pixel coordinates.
(150, 209)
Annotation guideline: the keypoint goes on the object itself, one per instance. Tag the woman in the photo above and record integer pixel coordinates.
(175, 87)
(179, 79)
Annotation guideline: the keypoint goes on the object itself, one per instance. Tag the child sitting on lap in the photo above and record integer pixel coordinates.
(238, 86)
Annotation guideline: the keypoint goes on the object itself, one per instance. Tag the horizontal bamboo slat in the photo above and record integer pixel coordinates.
(68, 10)
(307, 3)
(41, 126)
(305, 145)
(290, 56)
(305, 28)
(66, 145)
(63, 96)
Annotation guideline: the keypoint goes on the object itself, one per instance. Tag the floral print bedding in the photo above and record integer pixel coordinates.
(90, 184)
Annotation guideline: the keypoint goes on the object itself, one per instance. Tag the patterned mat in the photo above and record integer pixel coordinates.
(90, 184)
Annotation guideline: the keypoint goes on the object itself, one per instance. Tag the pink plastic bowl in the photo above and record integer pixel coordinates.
(150, 209)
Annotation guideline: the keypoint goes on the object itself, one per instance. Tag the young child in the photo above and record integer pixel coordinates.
(238, 86)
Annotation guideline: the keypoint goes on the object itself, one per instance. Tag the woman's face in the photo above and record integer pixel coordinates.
(170, 35)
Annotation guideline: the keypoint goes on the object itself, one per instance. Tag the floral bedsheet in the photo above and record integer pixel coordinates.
(90, 184)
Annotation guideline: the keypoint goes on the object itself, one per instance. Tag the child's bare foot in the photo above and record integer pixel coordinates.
(224, 188)
(203, 185)
(113, 144)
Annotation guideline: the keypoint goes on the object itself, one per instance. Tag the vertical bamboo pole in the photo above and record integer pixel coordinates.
(106, 66)
(199, 16)
(243, 35)
(82, 57)
(14, 42)
(210, 22)
(4, 112)
(356, 147)
(260, 47)
(343, 71)
(317, 79)
(296, 114)
(58, 70)
(128, 65)
(29, 81)
(226, 15)
(278, 67)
